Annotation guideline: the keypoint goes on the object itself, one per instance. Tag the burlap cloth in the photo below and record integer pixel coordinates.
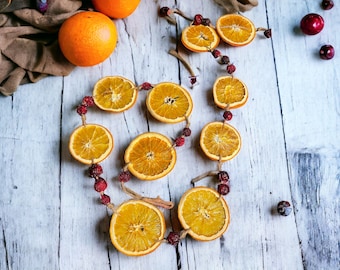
(29, 48)
(28, 41)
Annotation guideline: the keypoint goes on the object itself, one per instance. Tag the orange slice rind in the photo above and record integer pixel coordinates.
(204, 213)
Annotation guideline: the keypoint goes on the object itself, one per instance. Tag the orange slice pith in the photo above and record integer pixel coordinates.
(220, 141)
(229, 92)
(200, 38)
(235, 29)
(137, 228)
(114, 94)
(169, 103)
(204, 213)
(90, 143)
(150, 156)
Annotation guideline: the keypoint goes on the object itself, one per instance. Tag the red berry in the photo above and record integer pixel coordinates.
(223, 189)
(198, 19)
(327, 4)
(163, 11)
(95, 170)
(146, 86)
(124, 176)
(227, 115)
(223, 176)
(179, 141)
(193, 80)
(268, 33)
(225, 60)
(216, 53)
(312, 24)
(81, 109)
(100, 184)
(88, 101)
(284, 208)
(173, 238)
(231, 68)
(327, 52)
(105, 199)
(186, 132)
(206, 21)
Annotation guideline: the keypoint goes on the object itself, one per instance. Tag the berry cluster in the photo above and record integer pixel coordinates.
(224, 187)
(100, 184)
(224, 60)
(180, 140)
(312, 24)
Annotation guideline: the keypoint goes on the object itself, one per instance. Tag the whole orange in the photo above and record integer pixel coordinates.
(117, 9)
(87, 38)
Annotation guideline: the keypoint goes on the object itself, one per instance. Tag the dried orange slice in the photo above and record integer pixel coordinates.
(235, 29)
(114, 94)
(137, 228)
(204, 213)
(90, 143)
(150, 156)
(169, 102)
(229, 92)
(200, 38)
(220, 141)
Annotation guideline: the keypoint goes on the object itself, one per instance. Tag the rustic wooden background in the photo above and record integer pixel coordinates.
(50, 216)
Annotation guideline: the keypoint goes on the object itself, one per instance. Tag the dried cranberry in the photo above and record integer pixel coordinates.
(95, 170)
(173, 238)
(146, 86)
(105, 199)
(223, 177)
(88, 101)
(163, 11)
(268, 33)
(284, 208)
(179, 141)
(225, 60)
(100, 185)
(327, 4)
(216, 53)
(231, 68)
(197, 19)
(223, 189)
(227, 115)
(81, 109)
(186, 132)
(124, 176)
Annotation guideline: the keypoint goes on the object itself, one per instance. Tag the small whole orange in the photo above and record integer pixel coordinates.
(87, 38)
(117, 9)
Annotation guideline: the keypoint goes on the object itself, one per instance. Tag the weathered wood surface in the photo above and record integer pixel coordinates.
(49, 213)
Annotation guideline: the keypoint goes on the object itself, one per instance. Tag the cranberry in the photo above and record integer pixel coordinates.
(193, 80)
(146, 86)
(231, 68)
(268, 33)
(197, 19)
(227, 115)
(327, 4)
(88, 101)
(284, 208)
(312, 24)
(216, 53)
(100, 184)
(173, 238)
(327, 52)
(223, 189)
(124, 176)
(105, 199)
(179, 141)
(163, 11)
(225, 60)
(81, 109)
(186, 132)
(95, 170)
(223, 176)
(206, 21)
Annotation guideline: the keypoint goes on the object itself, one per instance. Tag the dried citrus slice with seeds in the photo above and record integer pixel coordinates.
(90, 143)
(169, 102)
(220, 141)
(235, 29)
(115, 94)
(229, 92)
(137, 228)
(150, 156)
(204, 213)
(200, 38)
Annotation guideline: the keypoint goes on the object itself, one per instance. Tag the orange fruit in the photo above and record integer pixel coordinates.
(200, 38)
(90, 143)
(114, 94)
(169, 102)
(204, 213)
(87, 38)
(235, 29)
(220, 141)
(150, 156)
(137, 228)
(117, 9)
(229, 92)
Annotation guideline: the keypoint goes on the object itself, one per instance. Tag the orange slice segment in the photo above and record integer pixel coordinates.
(90, 143)
(114, 94)
(137, 228)
(235, 29)
(204, 213)
(169, 102)
(220, 141)
(200, 38)
(229, 92)
(150, 156)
